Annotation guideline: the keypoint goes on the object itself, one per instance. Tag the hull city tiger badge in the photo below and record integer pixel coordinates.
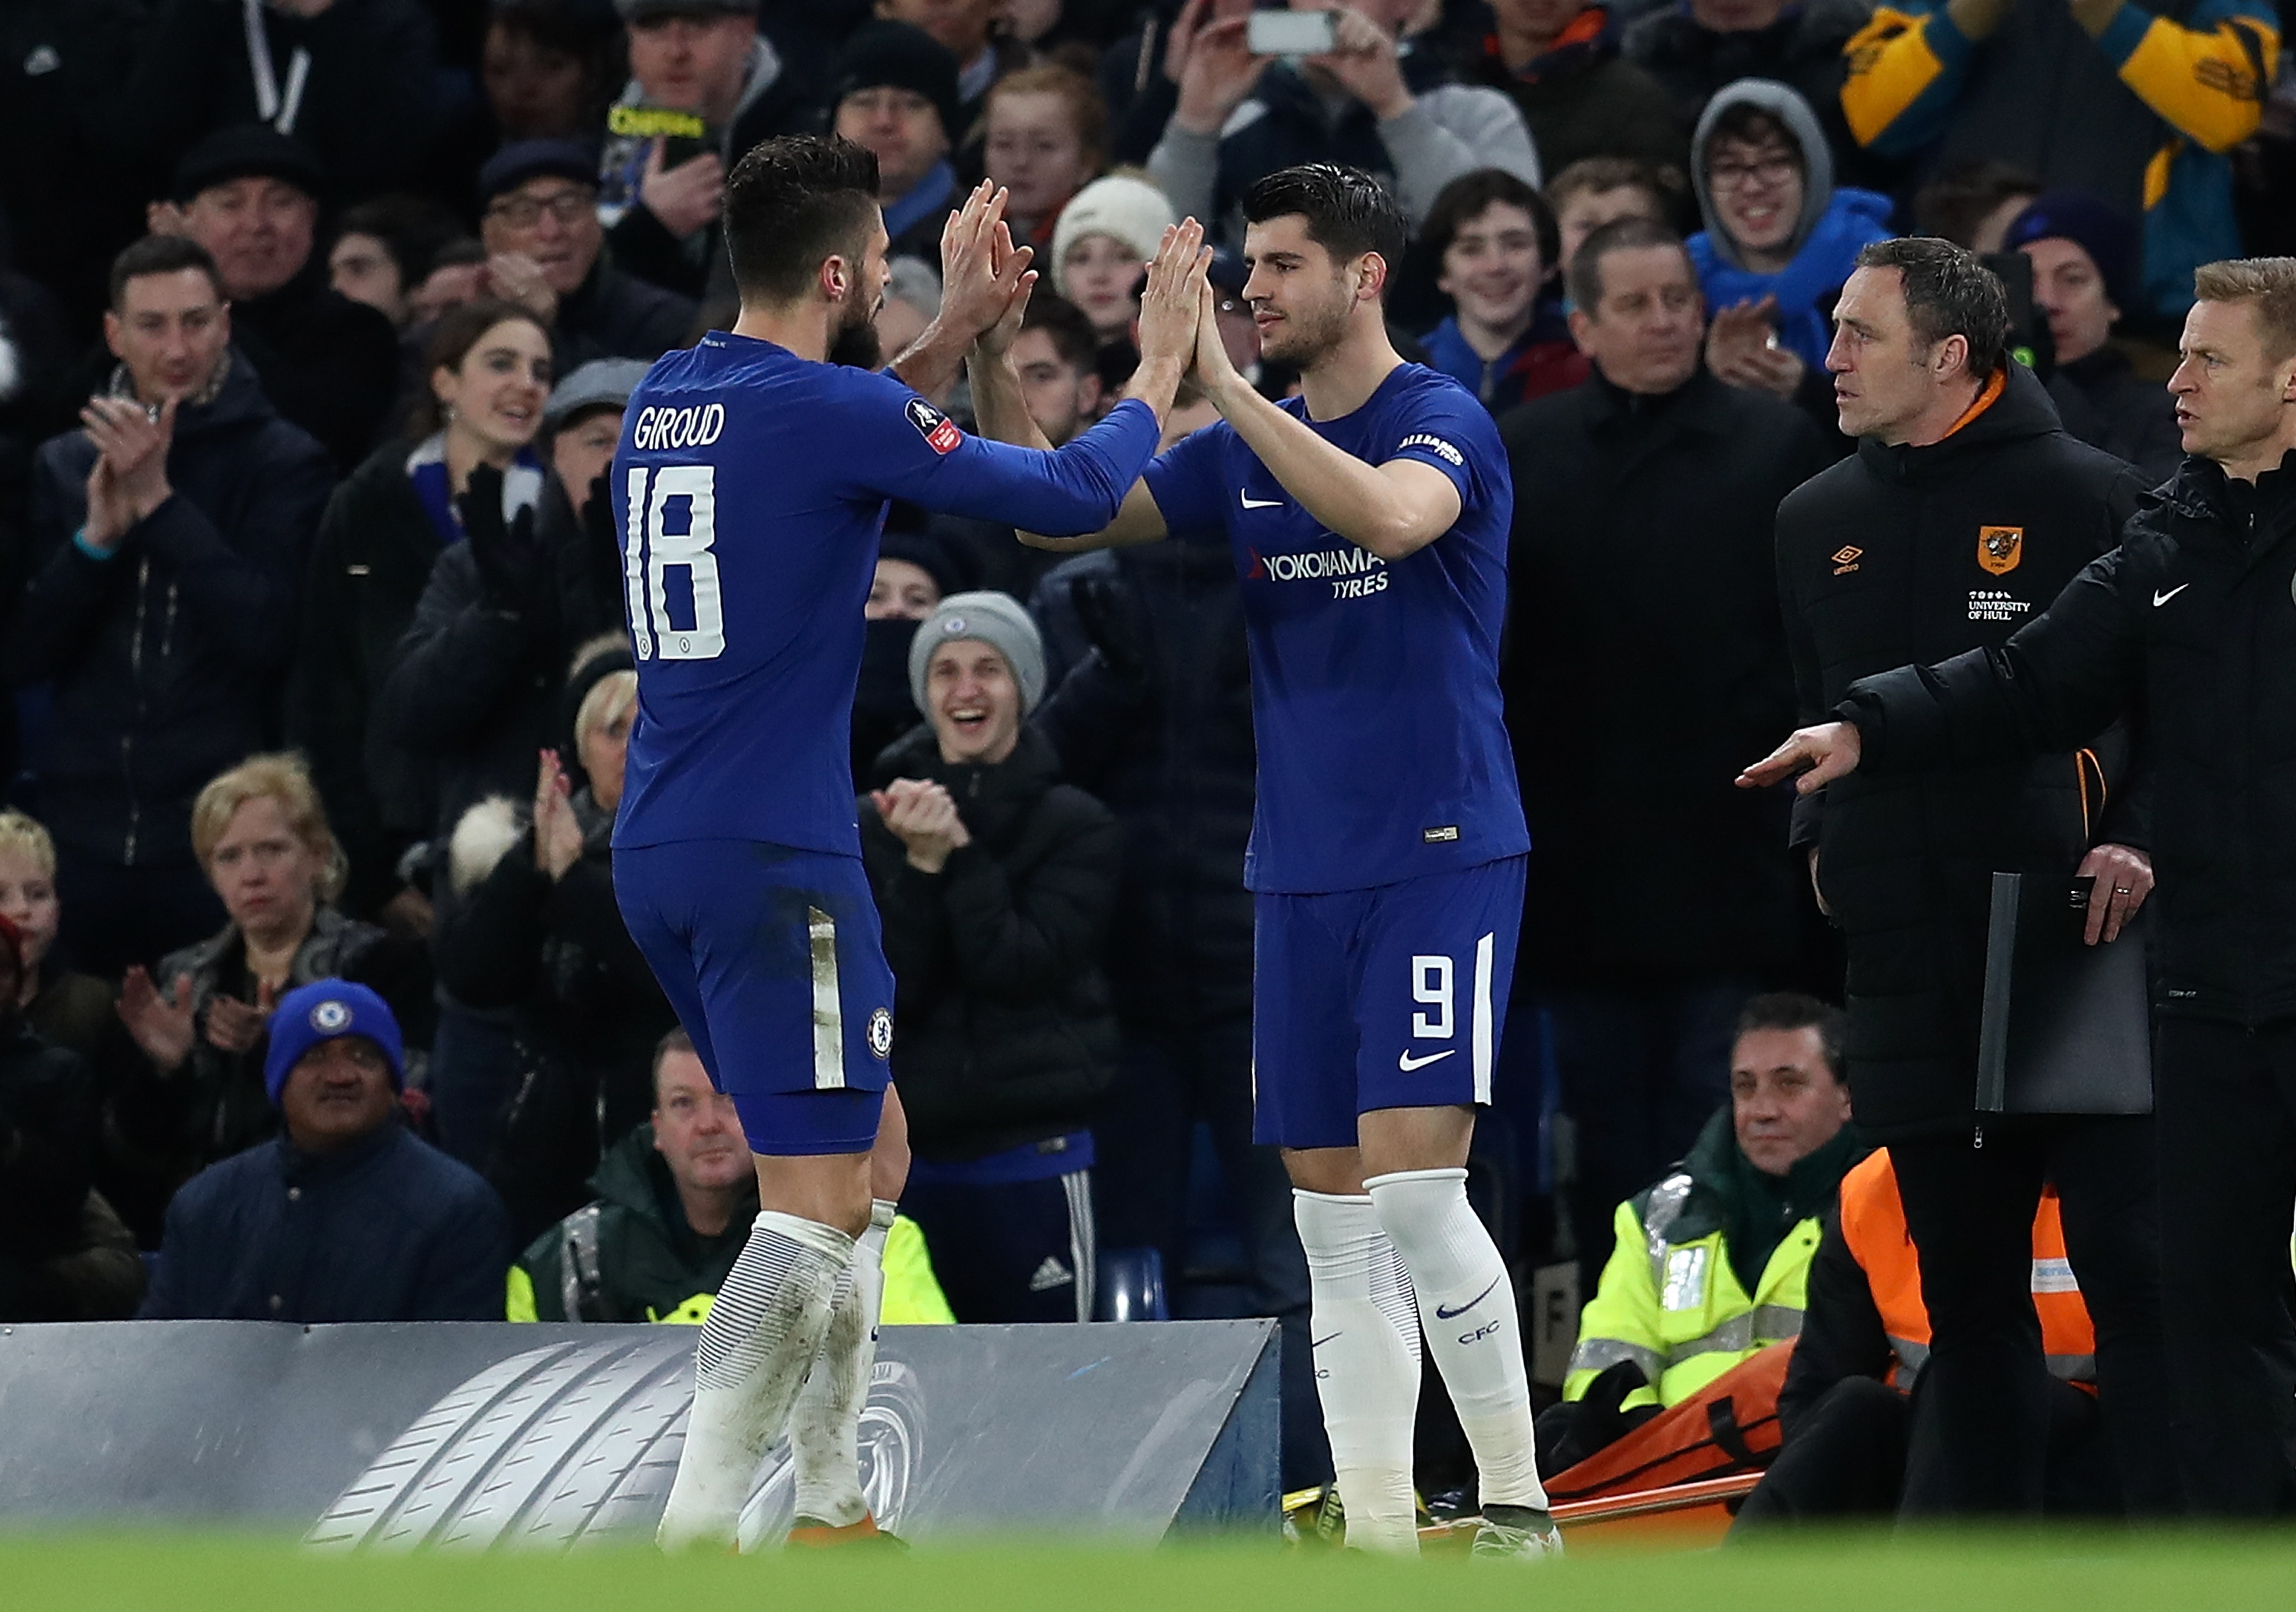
(1999, 548)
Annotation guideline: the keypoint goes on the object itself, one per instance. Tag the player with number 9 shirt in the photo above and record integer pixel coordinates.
(750, 487)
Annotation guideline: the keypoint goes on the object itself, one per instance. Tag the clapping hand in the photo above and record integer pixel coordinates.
(687, 199)
(131, 444)
(234, 1026)
(923, 816)
(557, 833)
(161, 1025)
(1741, 349)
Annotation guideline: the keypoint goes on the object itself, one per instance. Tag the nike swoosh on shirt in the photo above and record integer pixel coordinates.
(1251, 503)
(2159, 599)
(1406, 1063)
(1319, 1343)
(1442, 1315)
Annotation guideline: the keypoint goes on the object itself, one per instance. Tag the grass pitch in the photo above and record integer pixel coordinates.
(1964, 1572)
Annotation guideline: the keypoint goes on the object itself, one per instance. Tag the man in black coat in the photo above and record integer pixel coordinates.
(347, 1216)
(995, 883)
(164, 558)
(1966, 509)
(2187, 622)
(1645, 607)
(328, 365)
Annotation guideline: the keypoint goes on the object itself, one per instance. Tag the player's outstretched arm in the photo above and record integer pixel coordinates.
(1394, 509)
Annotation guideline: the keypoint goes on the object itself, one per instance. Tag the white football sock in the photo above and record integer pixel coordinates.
(761, 1335)
(825, 1422)
(1467, 1305)
(1366, 1343)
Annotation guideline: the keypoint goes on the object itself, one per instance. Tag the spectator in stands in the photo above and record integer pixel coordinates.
(346, 1216)
(328, 365)
(1376, 102)
(1662, 913)
(533, 927)
(2086, 260)
(1711, 1264)
(63, 1255)
(916, 570)
(545, 251)
(1781, 238)
(384, 249)
(1496, 241)
(983, 51)
(1602, 190)
(1057, 356)
(1846, 1408)
(1101, 248)
(160, 623)
(1696, 48)
(705, 86)
(352, 79)
(675, 1200)
(548, 68)
(1973, 203)
(63, 1007)
(996, 911)
(1559, 62)
(1046, 137)
(487, 374)
(897, 95)
(195, 1095)
(2135, 107)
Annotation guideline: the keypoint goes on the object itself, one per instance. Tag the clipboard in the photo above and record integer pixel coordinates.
(2067, 1027)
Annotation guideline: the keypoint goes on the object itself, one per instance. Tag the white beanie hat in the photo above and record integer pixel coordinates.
(1131, 210)
(993, 619)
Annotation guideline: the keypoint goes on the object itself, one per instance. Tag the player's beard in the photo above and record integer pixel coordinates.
(855, 342)
(1307, 333)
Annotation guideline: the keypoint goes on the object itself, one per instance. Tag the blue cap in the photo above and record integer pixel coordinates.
(2113, 240)
(327, 1010)
(514, 164)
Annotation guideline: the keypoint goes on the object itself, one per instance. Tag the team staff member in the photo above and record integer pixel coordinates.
(1965, 510)
(2188, 621)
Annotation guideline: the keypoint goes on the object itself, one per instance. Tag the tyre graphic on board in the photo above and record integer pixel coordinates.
(577, 1443)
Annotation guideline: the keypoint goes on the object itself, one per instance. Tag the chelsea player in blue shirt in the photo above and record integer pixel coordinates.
(750, 486)
(1369, 521)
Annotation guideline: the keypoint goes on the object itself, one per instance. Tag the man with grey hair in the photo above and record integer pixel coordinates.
(2185, 623)
(995, 881)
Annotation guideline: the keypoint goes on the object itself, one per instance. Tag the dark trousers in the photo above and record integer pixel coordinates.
(1015, 1251)
(1981, 1443)
(1165, 1083)
(1846, 1456)
(1641, 1072)
(116, 917)
(2227, 1142)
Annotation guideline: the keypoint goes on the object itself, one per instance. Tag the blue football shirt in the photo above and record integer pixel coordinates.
(751, 487)
(1375, 687)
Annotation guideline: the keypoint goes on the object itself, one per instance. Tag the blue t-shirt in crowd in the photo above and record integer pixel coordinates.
(1375, 687)
(751, 487)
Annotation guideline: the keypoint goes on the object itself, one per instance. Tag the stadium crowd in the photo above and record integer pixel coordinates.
(317, 323)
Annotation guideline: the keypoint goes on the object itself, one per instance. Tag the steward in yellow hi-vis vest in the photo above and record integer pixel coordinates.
(630, 1256)
(1710, 1266)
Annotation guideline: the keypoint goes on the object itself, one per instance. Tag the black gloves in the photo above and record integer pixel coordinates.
(1110, 619)
(513, 574)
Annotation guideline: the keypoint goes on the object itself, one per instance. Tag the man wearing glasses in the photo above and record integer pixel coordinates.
(544, 250)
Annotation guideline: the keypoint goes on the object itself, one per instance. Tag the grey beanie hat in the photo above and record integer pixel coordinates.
(995, 620)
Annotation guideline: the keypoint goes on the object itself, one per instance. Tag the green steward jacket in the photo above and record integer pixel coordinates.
(1710, 1265)
(629, 1255)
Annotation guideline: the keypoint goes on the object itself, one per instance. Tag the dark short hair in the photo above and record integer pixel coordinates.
(1592, 176)
(161, 255)
(791, 202)
(1965, 195)
(677, 1040)
(413, 229)
(1468, 196)
(457, 331)
(1583, 277)
(1349, 212)
(1755, 124)
(1792, 1010)
(1948, 292)
(1073, 336)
